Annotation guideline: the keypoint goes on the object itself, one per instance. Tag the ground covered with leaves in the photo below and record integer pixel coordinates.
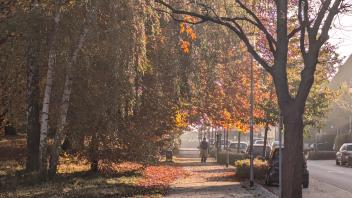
(125, 179)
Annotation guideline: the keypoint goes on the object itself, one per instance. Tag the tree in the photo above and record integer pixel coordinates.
(268, 105)
(44, 116)
(313, 27)
(33, 49)
(66, 96)
(320, 96)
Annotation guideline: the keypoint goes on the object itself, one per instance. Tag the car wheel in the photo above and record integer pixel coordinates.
(306, 182)
(341, 163)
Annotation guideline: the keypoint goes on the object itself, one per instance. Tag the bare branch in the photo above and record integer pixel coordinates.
(231, 23)
(302, 29)
(180, 20)
(320, 16)
(310, 62)
(272, 45)
(293, 32)
(260, 25)
(333, 11)
(243, 36)
(296, 30)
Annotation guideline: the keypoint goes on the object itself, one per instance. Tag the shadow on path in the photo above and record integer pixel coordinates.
(209, 180)
(206, 179)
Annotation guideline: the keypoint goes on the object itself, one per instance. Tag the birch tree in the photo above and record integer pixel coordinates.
(44, 123)
(65, 104)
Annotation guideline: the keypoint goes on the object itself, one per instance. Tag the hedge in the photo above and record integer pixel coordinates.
(242, 168)
(233, 157)
(321, 155)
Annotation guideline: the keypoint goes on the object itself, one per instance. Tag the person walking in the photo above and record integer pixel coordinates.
(204, 150)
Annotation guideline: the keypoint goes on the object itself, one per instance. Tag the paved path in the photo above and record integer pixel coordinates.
(210, 180)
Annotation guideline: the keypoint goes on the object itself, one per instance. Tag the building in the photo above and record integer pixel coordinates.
(339, 119)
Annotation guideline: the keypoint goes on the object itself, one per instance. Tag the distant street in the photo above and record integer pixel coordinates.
(189, 152)
(327, 172)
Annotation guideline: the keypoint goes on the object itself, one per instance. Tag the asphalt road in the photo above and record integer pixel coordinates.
(326, 171)
(326, 180)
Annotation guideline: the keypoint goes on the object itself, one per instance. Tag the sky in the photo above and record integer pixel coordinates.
(341, 35)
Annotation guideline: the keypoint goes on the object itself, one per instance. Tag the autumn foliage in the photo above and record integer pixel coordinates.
(161, 175)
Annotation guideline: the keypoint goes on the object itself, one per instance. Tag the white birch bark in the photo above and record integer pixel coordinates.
(65, 103)
(44, 119)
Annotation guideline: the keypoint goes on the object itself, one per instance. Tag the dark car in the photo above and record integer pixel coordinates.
(234, 146)
(272, 173)
(258, 151)
(344, 155)
(223, 142)
(321, 146)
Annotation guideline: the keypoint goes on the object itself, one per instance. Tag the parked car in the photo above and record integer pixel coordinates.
(344, 155)
(255, 139)
(275, 144)
(258, 141)
(272, 173)
(234, 145)
(321, 146)
(222, 144)
(258, 151)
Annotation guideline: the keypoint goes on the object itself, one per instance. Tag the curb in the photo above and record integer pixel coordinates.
(261, 190)
(258, 191)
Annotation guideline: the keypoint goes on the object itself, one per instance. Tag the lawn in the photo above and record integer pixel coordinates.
(125, 179)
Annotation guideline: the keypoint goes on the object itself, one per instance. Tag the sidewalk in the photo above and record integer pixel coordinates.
(211, 180)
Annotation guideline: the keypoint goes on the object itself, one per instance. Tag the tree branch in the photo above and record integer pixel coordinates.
(235, 27)
(302, 29)
(333, 11)
(272, 45)
(260, 25)
(321, 13)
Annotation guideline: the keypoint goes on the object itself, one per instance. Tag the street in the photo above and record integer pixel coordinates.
(325, 171)
(326, 180)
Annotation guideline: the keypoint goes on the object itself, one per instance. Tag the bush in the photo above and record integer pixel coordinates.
(233, 157)
(242, 168)
(321, 155)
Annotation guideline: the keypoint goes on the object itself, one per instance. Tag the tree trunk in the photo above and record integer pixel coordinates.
(238, 141)
(47, 93)
(224, 134)
(265, 138)
(32, 129)
(227, 149)
(293, 154)
(65, 103)
(94, 151)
